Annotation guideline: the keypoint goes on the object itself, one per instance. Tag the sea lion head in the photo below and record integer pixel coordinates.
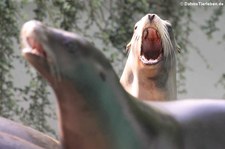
(153, 42)
(56, 53)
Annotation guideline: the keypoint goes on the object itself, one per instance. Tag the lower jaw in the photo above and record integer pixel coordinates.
(39, 63)
(150, 61)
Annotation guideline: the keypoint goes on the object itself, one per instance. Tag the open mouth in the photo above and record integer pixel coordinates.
(32, 46)
(29, 40)
(151, 48)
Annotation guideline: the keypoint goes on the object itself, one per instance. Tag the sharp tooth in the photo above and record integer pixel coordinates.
(36, 52)
(26, 49)
(150, 61)
(145, 33)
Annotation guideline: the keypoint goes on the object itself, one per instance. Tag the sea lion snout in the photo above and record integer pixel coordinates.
(151, 16)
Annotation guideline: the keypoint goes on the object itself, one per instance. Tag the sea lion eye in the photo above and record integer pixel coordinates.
(70, 47)
(102, 76)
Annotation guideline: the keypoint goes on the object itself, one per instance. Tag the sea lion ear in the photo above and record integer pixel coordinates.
(178, 48)
(128, 47)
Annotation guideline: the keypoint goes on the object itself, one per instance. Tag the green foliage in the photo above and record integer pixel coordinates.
(39, 109)
(12, 98)
(40, 9)
(68, 10)
(8, 31)
(122, 21)
(210, 26)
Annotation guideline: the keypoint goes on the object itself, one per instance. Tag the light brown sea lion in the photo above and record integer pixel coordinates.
(96, 112)
(150, 70)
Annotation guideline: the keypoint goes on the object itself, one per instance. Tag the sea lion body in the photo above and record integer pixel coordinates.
(150, 70)
(202, 121)
(96, 112)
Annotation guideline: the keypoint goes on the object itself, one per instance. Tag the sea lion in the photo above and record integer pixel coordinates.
(96, 112)
(27, 134)
(8, 141)
(150, 70)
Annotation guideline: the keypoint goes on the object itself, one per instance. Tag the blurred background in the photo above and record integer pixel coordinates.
(198, 26)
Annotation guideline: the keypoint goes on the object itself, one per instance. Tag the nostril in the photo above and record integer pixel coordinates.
(151, 17)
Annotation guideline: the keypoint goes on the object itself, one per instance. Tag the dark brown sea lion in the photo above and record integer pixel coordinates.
(150, 70)
(8, 141)
(27, 134)
(96, 112)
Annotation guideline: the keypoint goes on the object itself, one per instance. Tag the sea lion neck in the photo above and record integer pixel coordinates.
(103, 113)
(80, 127)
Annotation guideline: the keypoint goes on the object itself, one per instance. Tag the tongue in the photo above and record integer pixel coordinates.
(151, 45)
